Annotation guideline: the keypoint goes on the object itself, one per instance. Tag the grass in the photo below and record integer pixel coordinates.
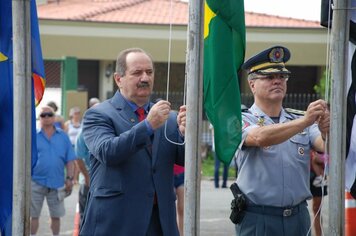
(208, 167)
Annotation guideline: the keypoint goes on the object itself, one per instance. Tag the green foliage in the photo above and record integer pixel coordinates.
(208, 167)
(321, 86)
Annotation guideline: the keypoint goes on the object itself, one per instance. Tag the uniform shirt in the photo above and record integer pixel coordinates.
(53, 155)
(82, 152)
(277, 175)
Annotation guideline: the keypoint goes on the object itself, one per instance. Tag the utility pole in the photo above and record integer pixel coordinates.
(22, 116)
(194, 73)
(339, 61)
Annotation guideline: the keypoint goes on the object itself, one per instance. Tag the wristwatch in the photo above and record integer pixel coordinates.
(69, 178)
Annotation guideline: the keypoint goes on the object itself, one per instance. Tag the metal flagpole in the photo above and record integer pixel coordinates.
(194, 73)
(22, 116)
(339, 61)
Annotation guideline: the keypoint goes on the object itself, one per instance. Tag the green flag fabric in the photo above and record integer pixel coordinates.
(224, 53)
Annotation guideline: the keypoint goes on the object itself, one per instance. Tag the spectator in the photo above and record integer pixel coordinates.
(55, 154)
(217, 165)
(179, 189)
(318, 188)
(83, 164)
(72, 127)
(58, 120)
(74, 124)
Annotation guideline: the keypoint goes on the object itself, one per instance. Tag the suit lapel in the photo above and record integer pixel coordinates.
(125, 110)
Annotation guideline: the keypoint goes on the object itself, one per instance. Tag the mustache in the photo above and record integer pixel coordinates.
(143, 85)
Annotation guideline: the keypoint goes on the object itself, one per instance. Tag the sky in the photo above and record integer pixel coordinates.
(300, 9)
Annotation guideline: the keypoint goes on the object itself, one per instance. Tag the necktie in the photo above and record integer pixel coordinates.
(140, 114)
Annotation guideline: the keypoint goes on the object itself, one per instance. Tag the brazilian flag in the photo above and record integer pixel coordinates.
(224, 52)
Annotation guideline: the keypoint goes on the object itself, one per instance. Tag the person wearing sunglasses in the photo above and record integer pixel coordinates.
(273, 158)
(55, 156)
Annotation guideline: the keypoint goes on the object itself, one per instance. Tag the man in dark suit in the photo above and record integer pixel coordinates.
(131, 188)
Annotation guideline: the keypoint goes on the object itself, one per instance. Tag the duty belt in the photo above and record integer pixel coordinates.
(276, 211)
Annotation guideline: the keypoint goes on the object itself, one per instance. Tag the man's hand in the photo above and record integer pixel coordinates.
(69, 185)
(158, 114)
(315, 111)
(81, 166)
(181, 119)
(324, 124)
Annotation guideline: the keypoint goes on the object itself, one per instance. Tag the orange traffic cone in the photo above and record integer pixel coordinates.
(350, 215)
(76, 221)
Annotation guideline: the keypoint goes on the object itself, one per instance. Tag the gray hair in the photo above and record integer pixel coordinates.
(93, 101)
(252, 76)
(73, 110)
(121, 60)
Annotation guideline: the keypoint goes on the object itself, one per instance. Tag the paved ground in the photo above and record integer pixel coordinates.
(214, 212)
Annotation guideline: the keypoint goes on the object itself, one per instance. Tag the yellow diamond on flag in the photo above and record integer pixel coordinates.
(3, 57)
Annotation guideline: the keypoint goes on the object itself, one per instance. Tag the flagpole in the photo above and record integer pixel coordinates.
(339, 61)
(22, 117)
(194, 73)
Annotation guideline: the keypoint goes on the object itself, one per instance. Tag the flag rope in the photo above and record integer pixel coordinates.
(327, 99)
(169, 72)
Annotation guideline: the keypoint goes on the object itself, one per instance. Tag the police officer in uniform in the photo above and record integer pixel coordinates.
(273, 158)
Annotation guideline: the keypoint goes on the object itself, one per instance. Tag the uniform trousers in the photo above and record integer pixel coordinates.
(273, 221)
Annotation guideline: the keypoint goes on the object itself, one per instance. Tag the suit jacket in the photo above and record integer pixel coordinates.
(127, 168)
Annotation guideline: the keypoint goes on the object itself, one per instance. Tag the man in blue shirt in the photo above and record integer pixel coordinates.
(55, 154)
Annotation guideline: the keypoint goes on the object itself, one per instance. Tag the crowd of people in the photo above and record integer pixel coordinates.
(131, 172)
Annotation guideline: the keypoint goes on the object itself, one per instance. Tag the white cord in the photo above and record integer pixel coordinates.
(328, 57)
(327, 97)
(169, 72)
(326, 165)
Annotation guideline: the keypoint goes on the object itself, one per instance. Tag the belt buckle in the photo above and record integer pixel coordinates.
(287, 212)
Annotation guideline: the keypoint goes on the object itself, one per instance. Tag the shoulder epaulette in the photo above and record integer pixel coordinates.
(294, 111)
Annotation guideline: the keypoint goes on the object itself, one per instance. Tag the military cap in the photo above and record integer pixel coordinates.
(269, 61)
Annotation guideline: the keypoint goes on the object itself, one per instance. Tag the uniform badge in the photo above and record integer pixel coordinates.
(276, 55)
(261, 121)
(301, 151)
(132, 120)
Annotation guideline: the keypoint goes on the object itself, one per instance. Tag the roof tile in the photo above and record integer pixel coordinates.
(159, 12)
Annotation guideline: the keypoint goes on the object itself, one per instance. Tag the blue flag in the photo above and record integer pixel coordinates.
(6, 104)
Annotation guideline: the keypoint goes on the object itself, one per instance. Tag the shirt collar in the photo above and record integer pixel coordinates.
(134, 106)
(56, 129)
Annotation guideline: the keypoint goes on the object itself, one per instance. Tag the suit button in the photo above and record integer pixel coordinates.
(154, 170)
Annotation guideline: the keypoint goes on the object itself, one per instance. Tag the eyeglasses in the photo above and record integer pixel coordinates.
(45, 114)
(282, 77)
